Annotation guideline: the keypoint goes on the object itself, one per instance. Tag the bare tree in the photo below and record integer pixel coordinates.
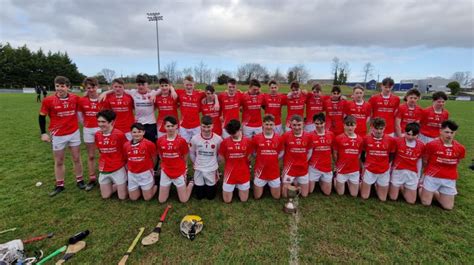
(202, 73)
(278, 76)
(249, 71)
(170, 71)
(336, 64)
(463, 78)
(187, 71)
(300, 73)
(368, 71)
(108, 74)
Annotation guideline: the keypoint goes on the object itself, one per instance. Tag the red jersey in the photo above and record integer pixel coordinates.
(406, 156)
(348, 153)
(385, 108)
(189, 105)
(123, 108)
(166, 106)
(208, 109)
(361, 112)
(89, 108)
(335, 115)
(431, 121)
(321, 158)
(110, 147)
(295, 106)
(408, 115)
(442, 160)
(139, 155)
(235, 153)
(314, 105)
(172, 154)
(62, 114)
(295, 162)
(230, 106)
(267, 150)
(377, 153)
(273, 105)
(251, 109)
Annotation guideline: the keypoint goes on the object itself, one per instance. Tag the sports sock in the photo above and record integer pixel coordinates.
(92, 178)
(79, 178)
(60, 183)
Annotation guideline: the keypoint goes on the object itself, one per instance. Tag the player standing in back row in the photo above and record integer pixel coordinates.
(385, 105)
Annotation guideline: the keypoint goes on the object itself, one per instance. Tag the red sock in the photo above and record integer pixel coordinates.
(92, 178)
(79, 178)
(60, 183)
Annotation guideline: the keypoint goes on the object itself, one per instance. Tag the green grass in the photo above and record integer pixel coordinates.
(335, 229)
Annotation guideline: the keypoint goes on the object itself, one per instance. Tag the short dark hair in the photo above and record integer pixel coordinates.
(170, 119)
(210, 88)
(231, 81)
(268, 117)
(163, 80)
(62, 80)
(118, 81)
(295, 84)
(316, 87)
(319, 117)
(206, 120)
(378, 122)
(90, 81)
(189, 78)
(336, 89)
(108, 114)
(232, 127)
(138, 126)
(413, 127)
(388, 81)
(254, 82)
(439, 95)
(358, 86)
(272, 82)
(349, 119)
(141, 79)
(412, 92)
(296, 117)
(449, 124)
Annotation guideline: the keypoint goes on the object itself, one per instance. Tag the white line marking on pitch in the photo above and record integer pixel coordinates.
(294, 237)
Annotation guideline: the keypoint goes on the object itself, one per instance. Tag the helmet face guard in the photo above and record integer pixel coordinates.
(190, 226)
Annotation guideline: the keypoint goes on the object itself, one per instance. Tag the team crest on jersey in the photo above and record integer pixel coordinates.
(213, 146)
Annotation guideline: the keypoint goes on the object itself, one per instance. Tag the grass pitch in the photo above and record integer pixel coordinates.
(334, 229)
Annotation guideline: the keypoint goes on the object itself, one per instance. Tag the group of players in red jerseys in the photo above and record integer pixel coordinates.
(331, 146)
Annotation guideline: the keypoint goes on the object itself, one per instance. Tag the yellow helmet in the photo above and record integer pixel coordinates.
(191, 225)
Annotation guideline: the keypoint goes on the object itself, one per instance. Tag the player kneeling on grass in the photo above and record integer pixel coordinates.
(346, 152)
(64, 129)
(109, 142)
(141, 158)
(442, 157)
(203, 154)
(320, 164)
(379, 152)
(405, 175)
(173, 151)
(268, 149)
(235, 151)
(298, 149)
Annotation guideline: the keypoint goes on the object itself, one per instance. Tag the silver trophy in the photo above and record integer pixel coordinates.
(290, 206)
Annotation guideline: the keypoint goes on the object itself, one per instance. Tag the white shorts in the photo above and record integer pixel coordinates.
(88, 134)
(382, 179)
(407, 178)
(353, 177)
(128, 135)
(444, 186)
(310, 127)
(117, 177)
(275, 183)
(187, 134)
(300, 180)
(166, 181)
(60, 142)
(202, 178)
(316, 175)
(278, 129)
(249, 132)
(143, 180)
(230, 187)
(425, 139)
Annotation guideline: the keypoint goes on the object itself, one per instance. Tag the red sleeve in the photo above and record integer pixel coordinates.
(158, 149)
(250, 147)
(393, 148)
(125, 150)
(309, 138)
(222, 148)
(462, 152)
(152, 149)
(106, 103)
(284, 99)
(45, 106)
(184, 148)
(280, 144)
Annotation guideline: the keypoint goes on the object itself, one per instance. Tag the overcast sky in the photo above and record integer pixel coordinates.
(402, 38)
